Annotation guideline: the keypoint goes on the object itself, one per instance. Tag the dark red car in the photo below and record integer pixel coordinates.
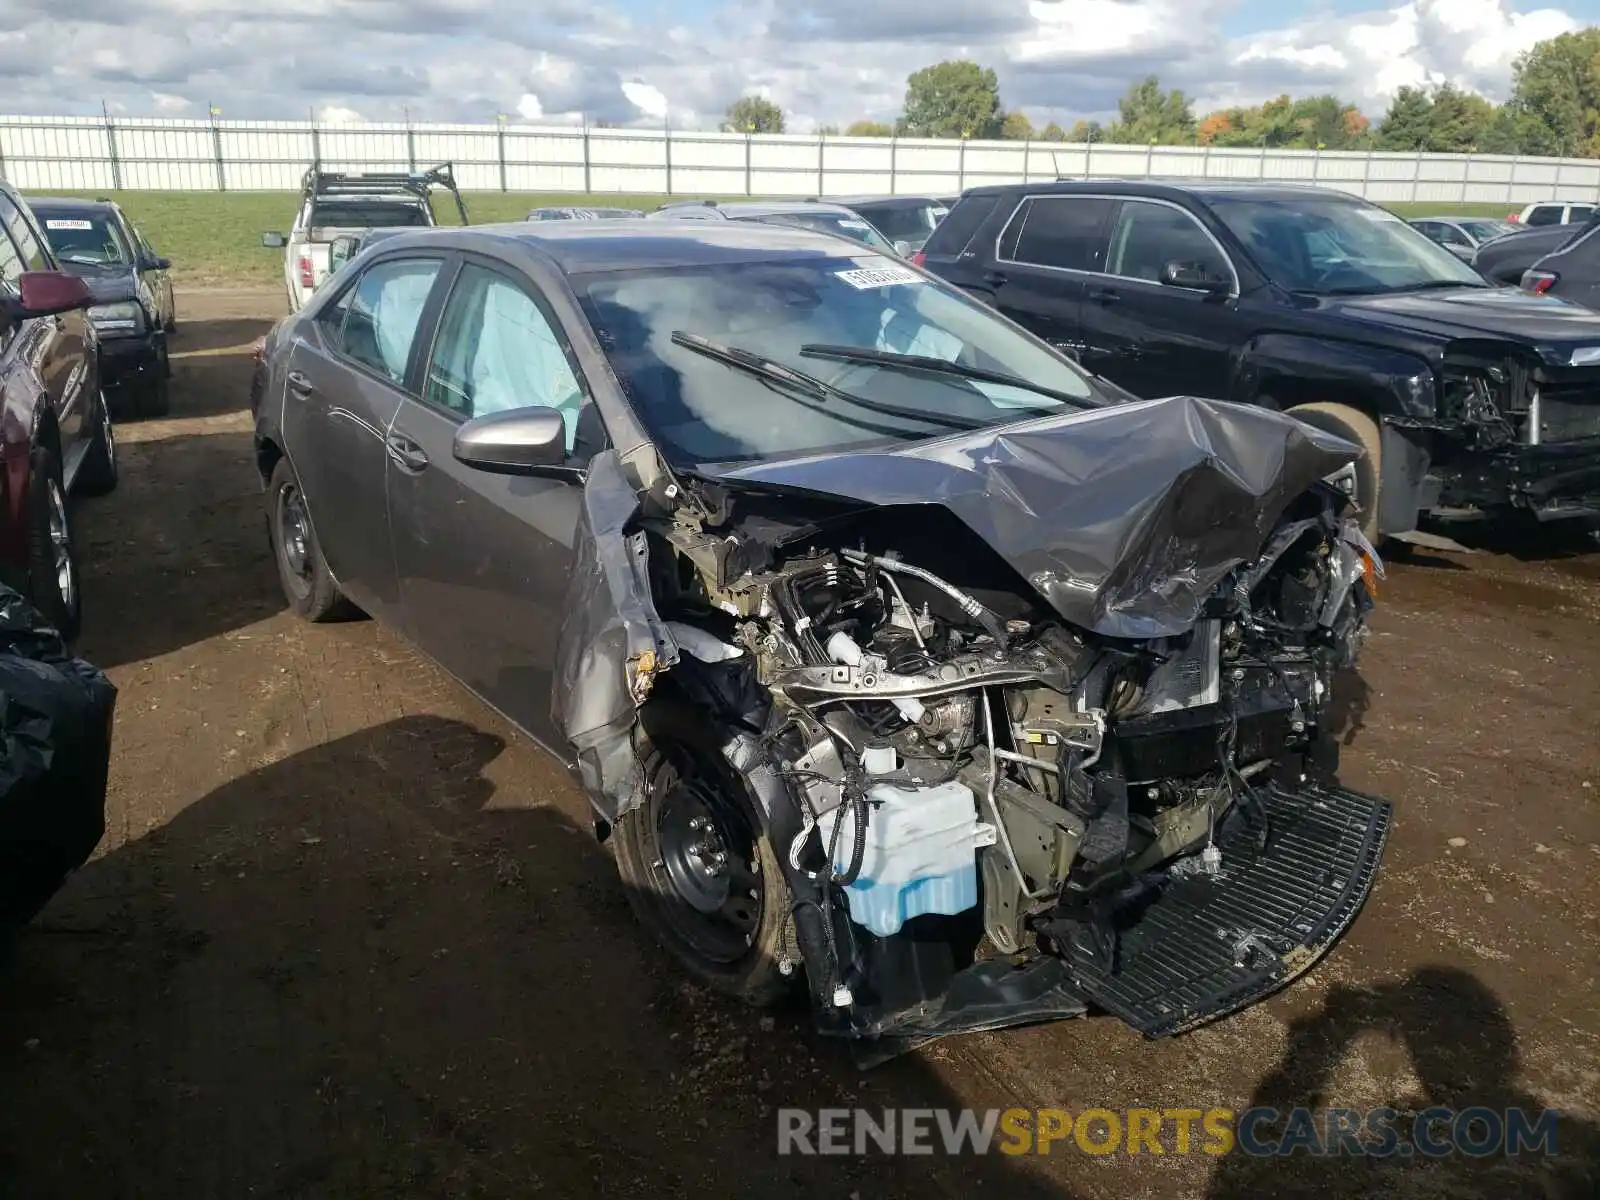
(55, 430)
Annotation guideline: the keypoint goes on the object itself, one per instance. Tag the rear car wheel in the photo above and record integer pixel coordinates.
(1365, 475)
(99, 472)
(697, 867)
(52, 559)
(308, 584)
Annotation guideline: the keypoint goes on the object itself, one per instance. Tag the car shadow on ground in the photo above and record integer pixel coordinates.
(1462, 1054)
(162, 558)
(211, 365)
(1518, 535)
(365, 970)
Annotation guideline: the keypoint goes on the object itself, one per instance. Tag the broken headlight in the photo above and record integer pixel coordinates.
(1417, 397)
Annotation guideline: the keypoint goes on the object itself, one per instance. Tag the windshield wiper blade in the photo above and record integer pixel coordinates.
(939, 366)
(776, 372)
(1430, 284)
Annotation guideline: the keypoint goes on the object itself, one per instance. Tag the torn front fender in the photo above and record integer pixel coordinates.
(613, 643)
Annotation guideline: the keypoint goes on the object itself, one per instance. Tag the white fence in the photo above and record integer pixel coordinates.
(96, 154)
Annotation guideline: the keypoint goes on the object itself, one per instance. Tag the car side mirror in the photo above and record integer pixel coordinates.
(524, 441)
(44, 293)
(903, 249)
(274, 241)
(154, 262)
(1192, 275)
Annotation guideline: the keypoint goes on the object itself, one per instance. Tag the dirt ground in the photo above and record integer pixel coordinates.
(349, 935)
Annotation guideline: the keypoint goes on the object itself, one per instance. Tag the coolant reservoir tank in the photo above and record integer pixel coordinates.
(920, 857)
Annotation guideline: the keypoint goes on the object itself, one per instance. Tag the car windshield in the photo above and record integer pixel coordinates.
(803, 317)
(364, 214)
(1483, 231)
(840, 224)
(905, 222)
(1331, 247)
(91, 239)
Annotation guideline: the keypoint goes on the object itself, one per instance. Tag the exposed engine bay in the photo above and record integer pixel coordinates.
(1028, 720)
(960, 765)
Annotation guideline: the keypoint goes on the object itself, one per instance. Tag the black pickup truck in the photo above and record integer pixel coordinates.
(1467, 398)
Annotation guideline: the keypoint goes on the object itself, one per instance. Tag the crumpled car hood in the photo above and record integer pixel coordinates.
(1123, 518)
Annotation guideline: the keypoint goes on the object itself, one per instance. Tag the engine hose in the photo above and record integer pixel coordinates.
(858, 851)
(968, 604)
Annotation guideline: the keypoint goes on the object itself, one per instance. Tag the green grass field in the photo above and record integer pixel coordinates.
(215, 237)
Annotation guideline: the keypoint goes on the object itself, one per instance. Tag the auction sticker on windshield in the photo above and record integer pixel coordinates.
(69, 224)
(864, 278)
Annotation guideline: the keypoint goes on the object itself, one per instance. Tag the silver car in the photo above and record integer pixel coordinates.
(871, 626)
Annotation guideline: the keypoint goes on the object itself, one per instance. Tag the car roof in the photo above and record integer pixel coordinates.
(593, 247)
(886, 201)
(70, 204)
(736, 209)
(1167, 189)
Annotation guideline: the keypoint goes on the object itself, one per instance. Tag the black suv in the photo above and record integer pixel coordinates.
(1467, 398)
(133, 311)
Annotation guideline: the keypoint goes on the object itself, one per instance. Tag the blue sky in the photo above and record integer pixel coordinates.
(823, 61)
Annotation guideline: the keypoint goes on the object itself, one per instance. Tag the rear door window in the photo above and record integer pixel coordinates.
(1544, 214)
(953, 235)
(384, 311)
(1579, 213)
(1063, 232)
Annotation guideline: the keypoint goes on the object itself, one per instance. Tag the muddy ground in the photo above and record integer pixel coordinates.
(349, 935)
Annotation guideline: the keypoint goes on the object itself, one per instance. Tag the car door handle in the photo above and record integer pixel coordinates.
(994, 277)
(300, 385)
(1103, 295)
(407, 455)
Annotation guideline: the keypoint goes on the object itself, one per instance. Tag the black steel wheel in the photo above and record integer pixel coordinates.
(698, 868)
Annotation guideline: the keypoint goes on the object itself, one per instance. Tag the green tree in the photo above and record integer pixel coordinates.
(1446, 120)
(1087, 131)
(952, 100)
(753, 114)
(1052, 133)
(1149, 114)
(869, 129)
(1304, 124)
(1459, 121)
(1557, 85)
(1016, 127)
(1408, 125)
(1518, 130)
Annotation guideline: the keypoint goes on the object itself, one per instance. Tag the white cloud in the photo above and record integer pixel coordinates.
(338, 114)
(647, 98)
(823, 61)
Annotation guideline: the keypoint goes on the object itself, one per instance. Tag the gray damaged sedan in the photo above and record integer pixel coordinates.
(900, 659)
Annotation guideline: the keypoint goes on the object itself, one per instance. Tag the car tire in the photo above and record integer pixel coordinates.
(1343, 421)
(736, 949)
(99, 472)
(308, 585)
(53, 581)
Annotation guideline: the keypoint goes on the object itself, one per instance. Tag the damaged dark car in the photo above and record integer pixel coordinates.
(1470, 401)
(899, 661)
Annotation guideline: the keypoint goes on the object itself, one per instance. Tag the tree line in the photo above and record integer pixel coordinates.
(1553, 109)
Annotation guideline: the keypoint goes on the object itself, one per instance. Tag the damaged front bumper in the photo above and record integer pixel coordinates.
(1555, 481)
(1190, 946)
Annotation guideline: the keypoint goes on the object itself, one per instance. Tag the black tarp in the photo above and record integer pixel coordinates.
(1124, 518)
(55, 751)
